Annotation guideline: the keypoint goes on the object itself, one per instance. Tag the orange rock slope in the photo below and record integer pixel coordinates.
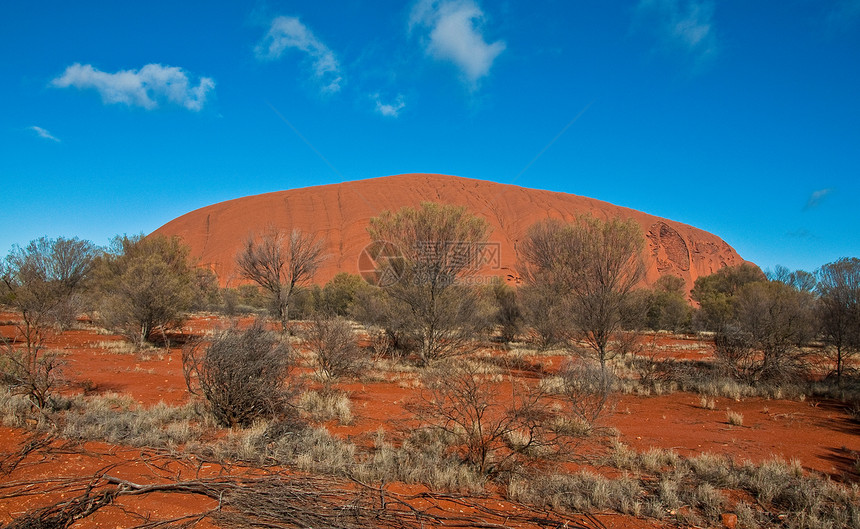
(340, 213)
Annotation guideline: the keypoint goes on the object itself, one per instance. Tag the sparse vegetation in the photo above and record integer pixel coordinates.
(734, 418)
(43, 283)
(335, 348)
(429, 305)
(494, 420)
(242, 375)
(839, 311)
(590, 268)
(144, 286)
(280, 263)
(321, 406)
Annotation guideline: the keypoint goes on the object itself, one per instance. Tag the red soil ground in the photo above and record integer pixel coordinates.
(818, 434)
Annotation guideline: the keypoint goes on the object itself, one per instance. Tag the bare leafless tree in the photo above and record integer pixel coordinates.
(839, 309)
(280, 262)
(778, 320)
(593, 266)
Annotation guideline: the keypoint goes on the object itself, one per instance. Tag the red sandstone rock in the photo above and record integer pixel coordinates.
(730, 521)
(340, 213)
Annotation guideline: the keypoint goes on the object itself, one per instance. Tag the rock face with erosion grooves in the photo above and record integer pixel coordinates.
(340, 213)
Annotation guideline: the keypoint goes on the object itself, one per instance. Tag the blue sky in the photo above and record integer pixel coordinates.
(741, 118)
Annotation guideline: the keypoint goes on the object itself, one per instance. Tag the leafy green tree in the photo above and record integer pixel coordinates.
(431, 303)
(839, 309)
(145, 284)
(593, 266)
(667, 307)
(715, 294)
(340, 293)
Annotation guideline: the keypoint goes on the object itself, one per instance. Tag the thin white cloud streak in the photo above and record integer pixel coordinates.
(389, 109)
(684, 24)
(816, 198)
(147, 87)
(290, 32)
(42, 133)
(453, 33)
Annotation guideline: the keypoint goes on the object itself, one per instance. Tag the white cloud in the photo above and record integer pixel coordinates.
(43, 133)
(816, 198)
(389, 109)
(289, 32)
(454, 34)
(684, 24)
(145, 87)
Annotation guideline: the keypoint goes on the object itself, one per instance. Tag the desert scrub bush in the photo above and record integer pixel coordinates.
(285, 442)
(118, 419)
(424, 456)
(493, 433)
(580, 492)
(587, 391)
(125, 347)
(656, 459)
(15, 408)
(734, 418)
(804, 501)
(335, 348)
(621, 456)
(707, 403)
(321, 406)
(242, 375)
(787, 497)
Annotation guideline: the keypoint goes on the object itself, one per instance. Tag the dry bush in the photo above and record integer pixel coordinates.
(839, 311)
(734, 353)
(118, 419)
(734, 418)
(323, 406)
(242, 375)
(43, 284)
(690, 492)
(547, 325)
(31, 370)
(491, 432)
(506, 311)
(335, 348)
(15, 409)
(588, 268)
(588, 391)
